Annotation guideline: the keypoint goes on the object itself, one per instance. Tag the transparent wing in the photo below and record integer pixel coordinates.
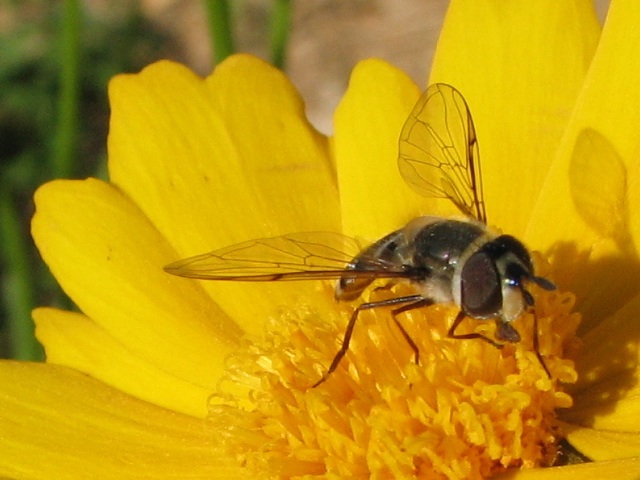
(438, 151)
(298, 256)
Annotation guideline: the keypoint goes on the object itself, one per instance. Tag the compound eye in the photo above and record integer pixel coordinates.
(481, 293)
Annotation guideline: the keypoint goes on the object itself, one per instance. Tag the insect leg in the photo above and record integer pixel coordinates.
(536, 344)
(422, 302)
(506, 332)
(352, 323)
(467, 336)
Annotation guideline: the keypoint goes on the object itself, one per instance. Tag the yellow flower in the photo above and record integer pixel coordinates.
(163, 377)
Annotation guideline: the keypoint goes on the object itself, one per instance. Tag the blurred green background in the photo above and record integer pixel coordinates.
(56, 59)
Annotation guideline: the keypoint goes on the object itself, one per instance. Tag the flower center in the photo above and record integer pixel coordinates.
(467, 410)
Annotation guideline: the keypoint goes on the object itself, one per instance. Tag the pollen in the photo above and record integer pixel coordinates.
(467, 410)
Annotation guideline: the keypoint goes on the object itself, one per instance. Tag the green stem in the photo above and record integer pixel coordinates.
(65, 142)
(218, 13)
(18, 288)
(279, 29)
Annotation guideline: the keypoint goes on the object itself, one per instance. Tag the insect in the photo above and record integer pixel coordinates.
(445, 260)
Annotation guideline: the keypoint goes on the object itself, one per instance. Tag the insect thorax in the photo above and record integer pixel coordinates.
(424, 252)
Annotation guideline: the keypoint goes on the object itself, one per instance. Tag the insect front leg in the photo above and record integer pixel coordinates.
(410, 299)
(468, 336)
(536, 345)
(504, 331)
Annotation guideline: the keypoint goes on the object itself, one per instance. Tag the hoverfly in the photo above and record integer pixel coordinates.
(445, 260)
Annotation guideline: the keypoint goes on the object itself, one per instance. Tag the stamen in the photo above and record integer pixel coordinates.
(468, 410)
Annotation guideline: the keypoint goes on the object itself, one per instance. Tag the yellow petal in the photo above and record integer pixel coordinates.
(108, 258)
(73, 340)
(285, 162)
(58, 423)
(520, 67)
(607, 396)
(219, 161)
(607, 105)
(613, 404)
(611, 349)
(374, 198)
(602, 252)
(244, 136)
(626, 469)
(603, 445)
(596, 167)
